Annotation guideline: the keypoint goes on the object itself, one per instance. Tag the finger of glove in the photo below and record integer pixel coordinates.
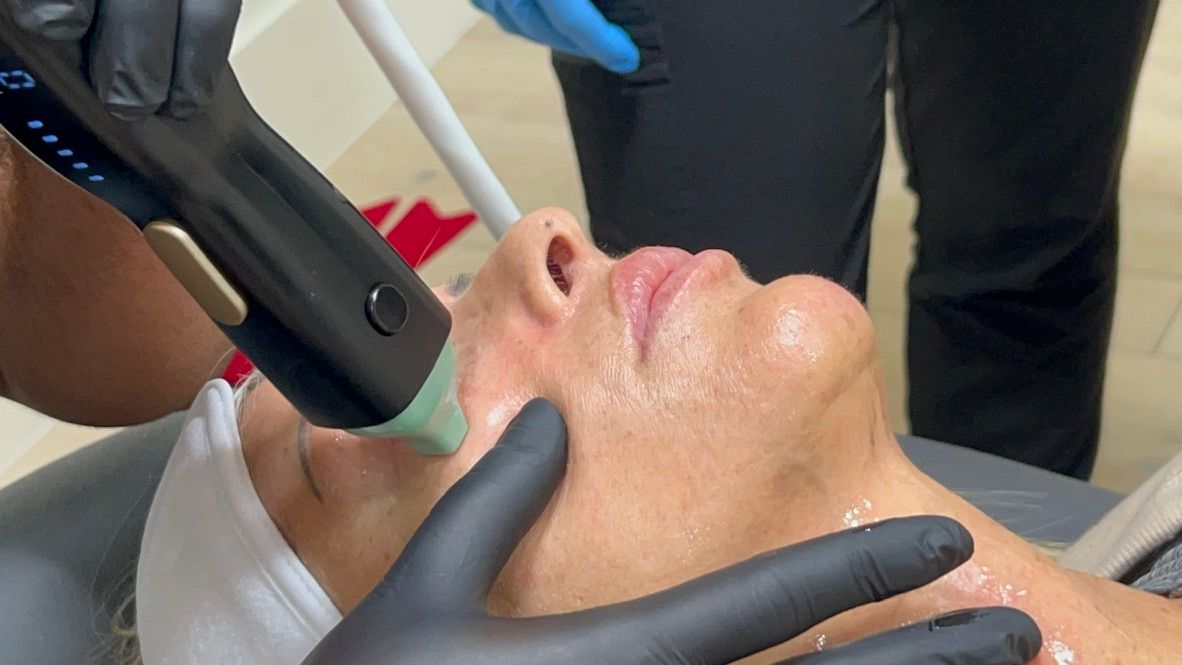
(772, 598)
(131, 55)
(532, 23)
(62, 20)
(501, 15)
(542, 34)
(203, 41)
(583, 24)
(995, 636)
(506, 21)
(485, 6)
(458, 551)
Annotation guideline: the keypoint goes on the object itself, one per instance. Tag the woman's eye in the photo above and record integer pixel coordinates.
(459, 283)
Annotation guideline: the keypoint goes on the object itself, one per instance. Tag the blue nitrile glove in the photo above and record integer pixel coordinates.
(571, 26)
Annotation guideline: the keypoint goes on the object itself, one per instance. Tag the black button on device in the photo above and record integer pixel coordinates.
(386, 309)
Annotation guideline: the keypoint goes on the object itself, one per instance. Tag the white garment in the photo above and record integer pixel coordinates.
(217, 584)
(1147, 519)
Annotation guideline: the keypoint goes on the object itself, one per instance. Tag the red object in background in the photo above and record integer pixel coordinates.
(422, 232)
(238, 368)
(378, 212)
(418, 236)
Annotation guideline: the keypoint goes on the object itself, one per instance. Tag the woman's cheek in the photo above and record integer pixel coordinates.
(496, 379)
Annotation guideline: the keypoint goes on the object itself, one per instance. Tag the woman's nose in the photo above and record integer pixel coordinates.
(541, 259)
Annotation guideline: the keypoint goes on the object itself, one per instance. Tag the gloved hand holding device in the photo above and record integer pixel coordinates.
(572, 26)
(163, 55)
(430, 608)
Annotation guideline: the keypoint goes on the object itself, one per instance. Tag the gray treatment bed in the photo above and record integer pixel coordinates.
(70, 532)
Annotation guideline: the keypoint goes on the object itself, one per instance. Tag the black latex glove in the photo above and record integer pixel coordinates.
(145, 55)
(430, 608)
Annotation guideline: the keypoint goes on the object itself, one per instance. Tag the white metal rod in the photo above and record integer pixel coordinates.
(432, 112)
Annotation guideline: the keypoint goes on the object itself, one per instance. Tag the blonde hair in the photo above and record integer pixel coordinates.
(122, 647)
(120, 644)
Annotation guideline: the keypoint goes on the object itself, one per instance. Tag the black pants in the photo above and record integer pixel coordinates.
(758, 127)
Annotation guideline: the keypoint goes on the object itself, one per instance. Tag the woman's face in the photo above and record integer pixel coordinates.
(693, 398)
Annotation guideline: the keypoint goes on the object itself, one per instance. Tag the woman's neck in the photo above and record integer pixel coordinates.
(1083, 619)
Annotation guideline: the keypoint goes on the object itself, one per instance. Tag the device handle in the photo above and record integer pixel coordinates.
(432, 112)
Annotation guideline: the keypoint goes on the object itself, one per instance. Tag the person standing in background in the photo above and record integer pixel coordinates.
(759, 128)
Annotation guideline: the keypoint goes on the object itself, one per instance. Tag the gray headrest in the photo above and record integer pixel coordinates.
(69, 537)
(1033, 503)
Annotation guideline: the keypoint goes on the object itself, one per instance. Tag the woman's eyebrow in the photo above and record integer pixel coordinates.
(459, 283)
(302, 437)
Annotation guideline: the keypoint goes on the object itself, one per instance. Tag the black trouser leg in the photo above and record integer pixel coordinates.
(752, 126)
(1014, 115)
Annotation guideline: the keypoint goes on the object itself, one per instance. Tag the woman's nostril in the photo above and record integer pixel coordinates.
(559, 277)
(558, 257)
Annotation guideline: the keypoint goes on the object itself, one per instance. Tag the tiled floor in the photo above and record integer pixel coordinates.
(506, 94)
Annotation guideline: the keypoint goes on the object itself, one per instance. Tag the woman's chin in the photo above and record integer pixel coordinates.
(813, 331)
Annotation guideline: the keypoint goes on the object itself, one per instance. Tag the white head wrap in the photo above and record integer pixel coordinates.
(217, 584)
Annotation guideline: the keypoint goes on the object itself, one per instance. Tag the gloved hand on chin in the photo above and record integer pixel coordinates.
(430, 608)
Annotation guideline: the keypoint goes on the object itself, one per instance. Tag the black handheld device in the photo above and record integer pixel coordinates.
(287, 267)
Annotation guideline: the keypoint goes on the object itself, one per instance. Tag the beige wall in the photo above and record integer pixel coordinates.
(308, 74)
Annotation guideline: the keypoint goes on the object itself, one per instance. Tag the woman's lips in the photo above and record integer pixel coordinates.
(645, 284)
